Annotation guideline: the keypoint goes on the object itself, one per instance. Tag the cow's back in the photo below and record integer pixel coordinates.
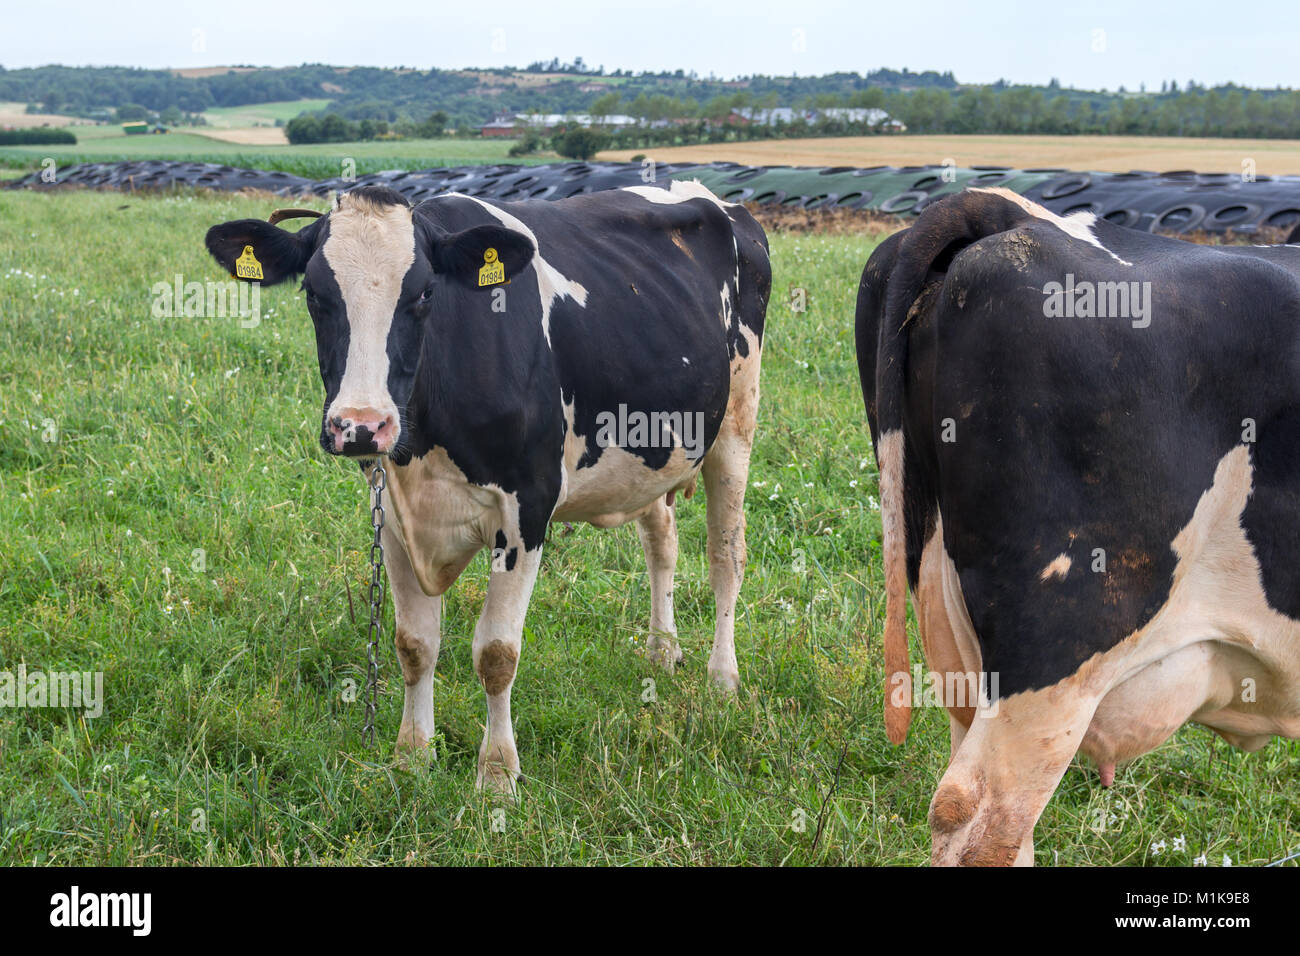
(648, 298)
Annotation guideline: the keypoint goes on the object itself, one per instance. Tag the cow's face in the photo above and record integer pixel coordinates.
(377, 275)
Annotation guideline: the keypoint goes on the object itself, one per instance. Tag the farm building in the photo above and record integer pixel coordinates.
(514, 124)
(875, 118)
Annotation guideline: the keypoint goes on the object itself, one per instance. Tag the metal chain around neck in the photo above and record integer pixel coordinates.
(377, 479)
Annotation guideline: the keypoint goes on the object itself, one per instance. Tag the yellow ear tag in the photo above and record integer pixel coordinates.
(493, 272)
(247, 266)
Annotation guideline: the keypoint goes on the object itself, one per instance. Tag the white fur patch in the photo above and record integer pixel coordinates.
(1077, 226)
(679, 190)
(370, 248)
(1059, 567)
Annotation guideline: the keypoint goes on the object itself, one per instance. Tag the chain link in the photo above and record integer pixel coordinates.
(377, 479)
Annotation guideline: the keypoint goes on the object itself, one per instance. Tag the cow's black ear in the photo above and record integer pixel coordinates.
(482, 255)
(251, 249)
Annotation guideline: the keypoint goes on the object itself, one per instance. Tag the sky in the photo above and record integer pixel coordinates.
(1099, 45)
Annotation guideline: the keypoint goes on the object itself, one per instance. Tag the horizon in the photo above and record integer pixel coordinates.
(1103, 47)
(567, 69)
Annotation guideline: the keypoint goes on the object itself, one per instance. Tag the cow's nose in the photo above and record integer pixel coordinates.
(362, 431)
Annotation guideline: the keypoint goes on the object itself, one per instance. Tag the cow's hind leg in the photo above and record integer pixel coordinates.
(1005, 770)
(657, 529)
(726, 473)
(417, 635)
(497, 640)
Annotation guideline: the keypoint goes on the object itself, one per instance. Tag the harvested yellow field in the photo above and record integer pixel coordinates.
(1271, 157)
(201, 71)
(247, 136)
(15, 115)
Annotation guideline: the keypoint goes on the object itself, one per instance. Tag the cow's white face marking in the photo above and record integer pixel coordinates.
(1077, 226)
(370, 248)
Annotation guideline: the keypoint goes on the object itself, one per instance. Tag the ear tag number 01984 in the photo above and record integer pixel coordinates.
(493, 271)
(247, 266)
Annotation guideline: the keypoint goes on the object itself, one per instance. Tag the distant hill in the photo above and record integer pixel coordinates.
(930, 101)
(469, 96)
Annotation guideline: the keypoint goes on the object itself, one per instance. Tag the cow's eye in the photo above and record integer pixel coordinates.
(427, 294)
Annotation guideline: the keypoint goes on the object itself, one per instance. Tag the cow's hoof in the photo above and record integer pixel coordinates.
(498, 769)
(498, 781)
(414, 750)
(725, 680)
(416, 758)
(667, 654)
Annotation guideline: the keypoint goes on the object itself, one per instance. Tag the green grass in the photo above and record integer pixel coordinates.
(317, 161)
(263, 114)
(225, 686)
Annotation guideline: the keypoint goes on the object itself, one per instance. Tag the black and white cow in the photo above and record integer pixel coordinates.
(1089, 451)
(519, 363)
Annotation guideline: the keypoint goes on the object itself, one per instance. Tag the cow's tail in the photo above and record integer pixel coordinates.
(943, 230)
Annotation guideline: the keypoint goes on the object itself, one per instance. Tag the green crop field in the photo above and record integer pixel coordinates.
(171, 522)
(317, 161)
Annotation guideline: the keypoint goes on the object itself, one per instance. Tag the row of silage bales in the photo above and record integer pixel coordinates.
(167, 174)
(887, 189)
(509, 182)
(1178, 202)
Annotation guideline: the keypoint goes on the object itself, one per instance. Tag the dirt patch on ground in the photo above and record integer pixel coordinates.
(794, 219)
(1272, 157)
(1264, 236)
(876, 225)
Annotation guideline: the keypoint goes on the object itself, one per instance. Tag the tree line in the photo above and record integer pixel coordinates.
(401, 101)
(1227, 111)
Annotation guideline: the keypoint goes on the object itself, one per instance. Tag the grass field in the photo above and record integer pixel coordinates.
(317, 161)
(128, 443)
(236, 117)
(254, 125)
(1095, 153)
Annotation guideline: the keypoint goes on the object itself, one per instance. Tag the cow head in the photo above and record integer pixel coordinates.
(377, 275)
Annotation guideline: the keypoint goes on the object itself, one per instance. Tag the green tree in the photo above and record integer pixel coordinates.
(303, 129)
(718, 108)
(605, 105)
(579, 143)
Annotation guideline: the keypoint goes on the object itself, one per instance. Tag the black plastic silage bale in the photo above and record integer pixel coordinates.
(165, 174)
(1179, 201)
(1174, 201)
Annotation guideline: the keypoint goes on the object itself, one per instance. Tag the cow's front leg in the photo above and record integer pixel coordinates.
(417, 635)
(497, 639)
